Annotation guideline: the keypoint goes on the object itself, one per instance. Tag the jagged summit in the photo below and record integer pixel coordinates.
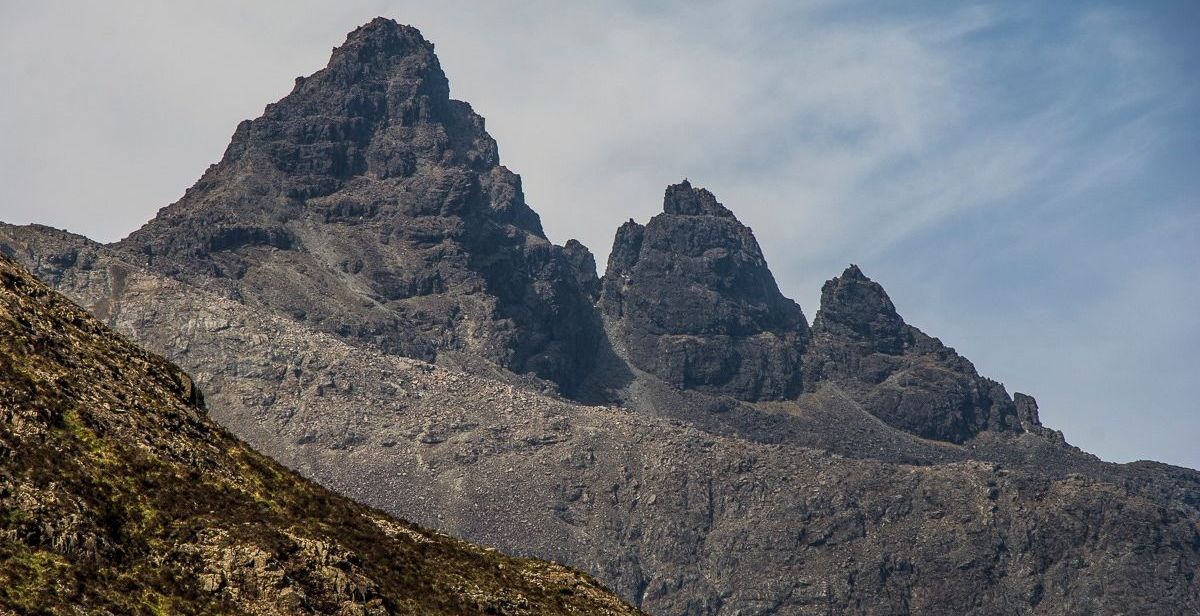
(857, 308)
(369, 204)
(377, 112)
(898, 373)
(853, 272)
(377, 46)
(382, 29)
(696, 305)
(683, 200)
(689, 299)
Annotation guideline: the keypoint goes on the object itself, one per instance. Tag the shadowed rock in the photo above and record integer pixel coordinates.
(695, 305)
(902, 376)
(584, 264)
(856, 309)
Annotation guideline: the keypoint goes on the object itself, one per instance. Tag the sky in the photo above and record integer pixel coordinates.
(1022, 177)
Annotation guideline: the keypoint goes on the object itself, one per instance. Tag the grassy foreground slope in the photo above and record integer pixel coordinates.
(119, 495)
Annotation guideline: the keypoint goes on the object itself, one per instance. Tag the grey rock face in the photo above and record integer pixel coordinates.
(856, 309)
(694, 304)
(584, 264)
(908, 379)
(678, 520)
(689, 300)
(370, 205)
(1027, 414)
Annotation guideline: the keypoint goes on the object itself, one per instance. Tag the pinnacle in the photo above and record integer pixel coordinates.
(381, 27)
(683, 199)
(381, 38)
(854, 273)
(857, 307)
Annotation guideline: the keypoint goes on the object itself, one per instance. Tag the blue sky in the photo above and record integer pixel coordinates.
(1022, 177)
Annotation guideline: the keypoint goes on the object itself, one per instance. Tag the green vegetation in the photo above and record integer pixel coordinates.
(118, 494)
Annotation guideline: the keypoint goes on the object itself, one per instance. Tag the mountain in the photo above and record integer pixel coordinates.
(693, 303)
(907, 379)
(689, 302)
(676, 427)
(119, 495)
(370, 205)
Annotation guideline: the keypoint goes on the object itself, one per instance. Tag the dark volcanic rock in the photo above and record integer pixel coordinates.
(902, 376)
(694, 304)
(857, 310)
(369, 204)
(1027, 415)
(689, 299)
(585, 268)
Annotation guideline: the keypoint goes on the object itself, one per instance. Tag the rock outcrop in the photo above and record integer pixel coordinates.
(370, 205)
(689, 300)
(908, 379)
(692, 302)
(118, 495)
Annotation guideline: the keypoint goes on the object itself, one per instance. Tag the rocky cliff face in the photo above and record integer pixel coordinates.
(689, 300)
(742, 462)
(119, 495)
(908, 379)
(693, 303)
(370, 205)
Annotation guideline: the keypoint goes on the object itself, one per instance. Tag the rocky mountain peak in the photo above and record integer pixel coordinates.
(684, 200)
(379, 109)
(1027, 415)
(697, 305)
(381, 37)
(377, 49)
(369, 204)
(896, 372)
(853, 272)
(366, 216)
(584, 264)
(857, 308)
